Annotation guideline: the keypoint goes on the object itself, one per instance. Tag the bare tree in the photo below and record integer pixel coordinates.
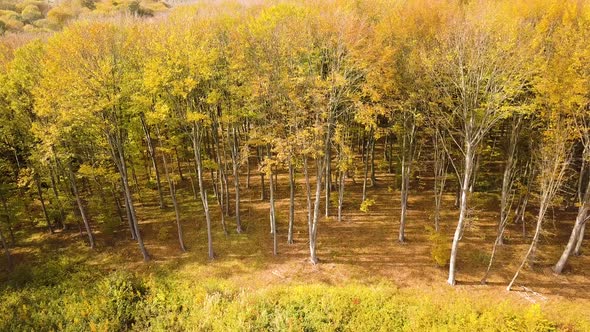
(553, 161)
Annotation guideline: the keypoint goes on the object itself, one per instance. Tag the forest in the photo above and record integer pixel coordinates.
(295, 165)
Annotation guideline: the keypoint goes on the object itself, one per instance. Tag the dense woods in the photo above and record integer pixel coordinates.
(458, 97)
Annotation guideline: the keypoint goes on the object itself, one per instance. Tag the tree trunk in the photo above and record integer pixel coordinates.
(508, 180)
(307, 190)
(553, 164)
(236, 170)
(291, 201)
(248, 172)
(13, 238)
(373, 177)
(118, 204)
(440, 176)
(135, 182)
(152, 155)
(366, 172)
(178, 165)
(404, 200)
(221, 177)
(328, 156)
(6, 250)
(540, 217)
(120, 162)
(129, 216)
(43, 207)
(262, 190)
(196, 138)
(81, 208)
(313, 225)
(273, 221)
(462, 210)
(581, 219)
(57, 200)
(578, 249)
(340, 194)
(407, 152)
(574, 238)
(172, 188)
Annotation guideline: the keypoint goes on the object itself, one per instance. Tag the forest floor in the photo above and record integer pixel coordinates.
(362, 249)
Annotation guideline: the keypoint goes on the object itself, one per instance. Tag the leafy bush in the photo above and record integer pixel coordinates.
(121, 298)
(87, 301)
(479, 257)
(31, 13)
(164, 233)
(440, 249)
(366, 204)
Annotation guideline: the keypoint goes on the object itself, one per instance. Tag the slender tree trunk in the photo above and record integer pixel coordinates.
(196, 138)
(578, 249)
(236, 170)
(248, 172)
(172, 188)
(366, 160)
(574, 238)
(273, 221)
(540, 217)
(508, 179)
(581, 219)
(328, 180)
(128, 212)
(262, 190)
(307, 190)
(43, 207)
(120, 161)
(440, 176)
(81, 208)
(521, 210)
(373, 177)
(57, 200)
(221, 177)
(462, 211)
(194, 185)
(340, 194)
(6, 250)
(553, 164)
(135, 182)
(407, 152)
(152, 155)
(291, 201)
(12, 237)
(118, 205)
(313, 226)
(178, 166)
(404, 200)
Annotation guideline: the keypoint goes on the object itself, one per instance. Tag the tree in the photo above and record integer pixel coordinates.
(94, 63)
(477, 68)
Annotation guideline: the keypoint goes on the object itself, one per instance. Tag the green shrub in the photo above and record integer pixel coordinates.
(440, 249)
(87, 301)
(31, 13)
(164, 233)
(479, 257)
(366, 204)
(122, 294)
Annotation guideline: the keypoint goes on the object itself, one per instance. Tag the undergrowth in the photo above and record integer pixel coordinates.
(82, 299)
